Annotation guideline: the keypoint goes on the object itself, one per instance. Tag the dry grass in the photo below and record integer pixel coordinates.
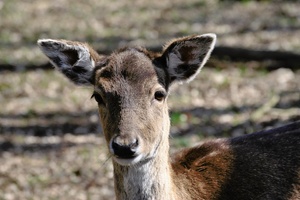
(109, 24)
(51, 146)
(71, 168)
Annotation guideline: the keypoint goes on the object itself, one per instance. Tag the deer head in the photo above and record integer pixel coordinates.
(131, 88)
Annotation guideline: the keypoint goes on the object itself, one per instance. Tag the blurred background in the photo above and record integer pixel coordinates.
(51, 145)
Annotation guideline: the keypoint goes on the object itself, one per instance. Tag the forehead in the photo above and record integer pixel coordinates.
(129, 66)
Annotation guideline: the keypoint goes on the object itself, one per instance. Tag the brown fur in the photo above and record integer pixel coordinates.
(295, 194)
(204, 168)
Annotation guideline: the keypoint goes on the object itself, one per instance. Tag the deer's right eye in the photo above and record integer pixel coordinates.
(98, 98)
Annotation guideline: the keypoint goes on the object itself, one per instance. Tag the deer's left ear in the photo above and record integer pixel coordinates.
(73, 59)
(185, 57)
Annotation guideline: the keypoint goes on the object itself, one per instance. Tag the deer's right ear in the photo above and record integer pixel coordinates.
(75, 60)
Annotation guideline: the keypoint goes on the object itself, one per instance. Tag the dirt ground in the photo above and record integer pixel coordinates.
(51, 145)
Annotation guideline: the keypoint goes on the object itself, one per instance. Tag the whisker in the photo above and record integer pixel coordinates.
(105, 162)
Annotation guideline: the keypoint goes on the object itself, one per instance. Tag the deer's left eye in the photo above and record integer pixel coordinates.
(159, 95)
(98, 98)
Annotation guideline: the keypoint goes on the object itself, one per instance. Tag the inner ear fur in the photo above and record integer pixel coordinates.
(74, 59)
(184, 57)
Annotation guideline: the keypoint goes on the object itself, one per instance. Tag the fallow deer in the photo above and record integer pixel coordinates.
(131, 87)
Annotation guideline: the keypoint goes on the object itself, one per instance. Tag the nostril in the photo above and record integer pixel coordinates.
(134, 144)
(124, 150)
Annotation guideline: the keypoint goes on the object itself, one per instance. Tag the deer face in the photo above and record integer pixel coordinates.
(132, 105)
(131, 87)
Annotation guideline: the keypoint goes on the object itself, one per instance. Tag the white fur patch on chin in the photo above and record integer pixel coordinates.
(128, 162)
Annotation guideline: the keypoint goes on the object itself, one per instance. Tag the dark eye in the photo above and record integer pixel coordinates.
(159, 95)
(98, 98)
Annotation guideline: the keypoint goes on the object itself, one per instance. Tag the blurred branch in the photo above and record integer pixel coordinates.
(277, 58)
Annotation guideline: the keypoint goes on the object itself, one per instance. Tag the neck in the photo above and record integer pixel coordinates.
(150, 180)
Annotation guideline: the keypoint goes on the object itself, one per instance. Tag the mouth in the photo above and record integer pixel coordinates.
(128, 161)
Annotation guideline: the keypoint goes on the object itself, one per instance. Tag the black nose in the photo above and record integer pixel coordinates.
(122, 150)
